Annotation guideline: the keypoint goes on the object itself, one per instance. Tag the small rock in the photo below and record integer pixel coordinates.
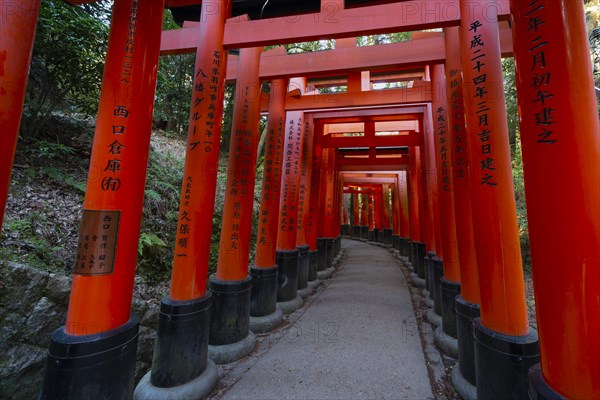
(22, 288)
(138, 307)
(150, 317)
(59, 289)
(21, 372)
(44, 320)
(145, 344)
(12, 324)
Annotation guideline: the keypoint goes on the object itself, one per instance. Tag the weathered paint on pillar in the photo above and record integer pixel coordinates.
(290, 174)
(196, 206)
(234, 245)
(305, 194)
(413, 194)
(443, 144)
(267, 222)
(495, 228)
(102, 285)
(559, 122)
(469, 279)
(17, 30)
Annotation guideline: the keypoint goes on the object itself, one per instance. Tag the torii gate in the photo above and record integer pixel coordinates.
(556, 96)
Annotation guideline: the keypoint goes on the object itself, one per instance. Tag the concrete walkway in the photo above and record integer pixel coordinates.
(356, 338)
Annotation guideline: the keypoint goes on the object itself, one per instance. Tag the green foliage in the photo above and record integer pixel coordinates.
(67, 62)
(159, 222)
(373, 40)
(512, 115)
(173, 88)
(48, 150)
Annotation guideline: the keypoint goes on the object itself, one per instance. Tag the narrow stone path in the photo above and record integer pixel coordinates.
(357, 338)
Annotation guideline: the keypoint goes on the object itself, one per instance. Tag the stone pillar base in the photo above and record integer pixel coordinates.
(445, 342)
(228, 353)
(461, 385)
(266, 323)
(196, 389)
(288, 307)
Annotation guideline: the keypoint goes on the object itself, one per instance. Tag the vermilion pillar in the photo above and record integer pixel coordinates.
(231, 284)
(450, 281)
(17, 30)
(267, 223)
(371, 214)
(330, 223)
(378, 215)
(413, 195)
(188, 296)
(467, 303)
(404, 213)
(356, 211)
(499, 373)
(417, 212)
(559, 121)
(364, 216)
(305, 213)
(287, 254)
(387, 228)
(96, 348)
(264, 315)
(313, 226)
(428, 180)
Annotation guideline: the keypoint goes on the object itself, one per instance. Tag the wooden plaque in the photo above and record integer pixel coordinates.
(97, 242)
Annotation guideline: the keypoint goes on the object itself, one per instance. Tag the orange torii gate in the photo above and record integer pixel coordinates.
(99, 324)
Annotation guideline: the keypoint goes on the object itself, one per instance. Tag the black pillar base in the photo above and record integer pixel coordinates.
(379, 235)
(538, 388)
(330, 251)
(396, 242)
(372, 236)
(502, 363)
(465, 314)
(230, 314)
(428, 273)
(181, 345)
(356, 231)
(322, 252)
(92, 366)
(302, 267)
(438, 272)
(338, 246)
(264, 291)
(449, 290)
(345, 229)
(412, 254)
(404, 247)
(287, 278)
(387, 236)
(420, 255)
(313, 263)
(364, 232)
